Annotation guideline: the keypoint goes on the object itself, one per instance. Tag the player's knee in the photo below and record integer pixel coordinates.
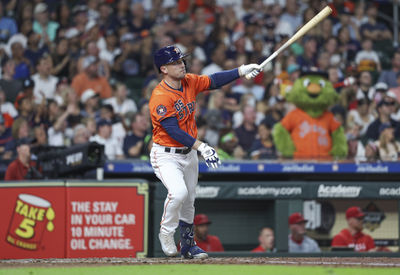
(180, 195)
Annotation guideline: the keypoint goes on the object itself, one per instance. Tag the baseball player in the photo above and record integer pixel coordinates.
(174, 152)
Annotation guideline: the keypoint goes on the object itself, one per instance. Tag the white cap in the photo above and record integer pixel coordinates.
(87, 94)
(39, 8)
(89, 60)
(391, 95)
(381, 86)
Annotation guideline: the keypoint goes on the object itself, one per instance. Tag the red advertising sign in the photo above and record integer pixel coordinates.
(33, 221)
(58, 220)
(107, 221)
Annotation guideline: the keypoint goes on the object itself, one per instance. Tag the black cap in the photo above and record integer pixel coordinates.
(24, 141)
(28, 83)
(103, 122)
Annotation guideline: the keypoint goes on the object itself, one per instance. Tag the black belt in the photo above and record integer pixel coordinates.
(178, 151)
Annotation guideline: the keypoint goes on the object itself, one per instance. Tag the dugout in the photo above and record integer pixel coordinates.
(239, 209)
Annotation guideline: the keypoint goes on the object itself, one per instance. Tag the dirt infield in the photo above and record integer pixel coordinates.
(366, 262)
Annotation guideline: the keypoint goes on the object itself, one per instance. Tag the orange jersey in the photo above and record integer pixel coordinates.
(167, 102)
(311, 136)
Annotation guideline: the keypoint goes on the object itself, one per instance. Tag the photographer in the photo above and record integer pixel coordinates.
(22, 167)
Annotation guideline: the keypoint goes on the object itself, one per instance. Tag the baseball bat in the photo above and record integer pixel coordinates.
(310, 24)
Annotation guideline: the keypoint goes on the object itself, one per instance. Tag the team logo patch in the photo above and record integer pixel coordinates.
(161, 110)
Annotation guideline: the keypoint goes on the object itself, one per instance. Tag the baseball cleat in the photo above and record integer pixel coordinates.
(195, 252)
(168, 244)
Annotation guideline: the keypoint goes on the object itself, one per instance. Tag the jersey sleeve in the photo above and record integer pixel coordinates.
(370, 243)
(288, 121)
(162, 107)
(200, 83)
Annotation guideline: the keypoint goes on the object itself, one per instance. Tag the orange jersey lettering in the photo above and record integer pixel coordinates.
(311, 136)
(167, 102)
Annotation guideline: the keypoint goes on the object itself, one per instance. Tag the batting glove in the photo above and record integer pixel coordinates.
(250, 71)
(209, 155)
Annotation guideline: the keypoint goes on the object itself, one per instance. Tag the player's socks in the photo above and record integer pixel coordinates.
(189, 249)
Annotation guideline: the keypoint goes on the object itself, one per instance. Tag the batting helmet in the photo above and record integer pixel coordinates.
(167, 55)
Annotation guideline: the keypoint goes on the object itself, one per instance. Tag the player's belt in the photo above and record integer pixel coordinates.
(177, 150)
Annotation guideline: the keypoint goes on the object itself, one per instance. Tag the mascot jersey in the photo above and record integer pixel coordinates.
(168, 102)
(311, 136)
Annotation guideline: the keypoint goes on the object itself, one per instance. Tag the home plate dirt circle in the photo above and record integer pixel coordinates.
(367, 262)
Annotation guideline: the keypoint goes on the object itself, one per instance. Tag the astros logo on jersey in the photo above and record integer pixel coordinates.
(161, 110)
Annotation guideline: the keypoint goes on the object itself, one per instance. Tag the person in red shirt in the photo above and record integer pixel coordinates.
(18, 169)
(352, 236)
(266, 240)
(203, 239)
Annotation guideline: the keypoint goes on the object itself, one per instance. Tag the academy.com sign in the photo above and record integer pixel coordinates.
(338, 191)
(269, 191)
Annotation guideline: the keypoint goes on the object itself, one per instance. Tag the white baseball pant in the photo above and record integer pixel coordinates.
(179, 174)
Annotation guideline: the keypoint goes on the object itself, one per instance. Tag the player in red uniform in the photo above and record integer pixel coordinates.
(353, 236)
(203, 239)
(172, 108)
(266, 240)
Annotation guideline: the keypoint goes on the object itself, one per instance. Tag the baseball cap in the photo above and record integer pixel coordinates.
(103, 122)
(89, 60)
(296, 218)
(71, 33)
(87, 94)
(292, 68)
(381, 86)
(201, 219)
(28, 83)
(354, 212)
(39, 8)
(24, 141)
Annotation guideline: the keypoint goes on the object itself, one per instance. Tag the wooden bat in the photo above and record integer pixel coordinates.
(310, 24)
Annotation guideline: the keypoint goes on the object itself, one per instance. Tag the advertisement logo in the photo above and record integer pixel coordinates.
(32, 215)
(338, 191)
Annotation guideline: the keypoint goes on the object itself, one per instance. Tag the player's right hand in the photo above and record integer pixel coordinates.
(209, 155)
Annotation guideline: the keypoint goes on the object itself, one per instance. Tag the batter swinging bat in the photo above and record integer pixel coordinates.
(310, 24)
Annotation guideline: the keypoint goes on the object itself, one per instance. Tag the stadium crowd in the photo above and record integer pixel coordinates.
(80, 71)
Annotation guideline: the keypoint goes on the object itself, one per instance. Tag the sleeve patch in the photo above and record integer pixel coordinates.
(161, 110)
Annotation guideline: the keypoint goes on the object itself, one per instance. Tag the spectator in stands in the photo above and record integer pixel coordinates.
(90, 101)
(59, 134)
(263, 146)
(371, 153)
(19, 168)
(45, 83)
(135, 143)
(384, 112)
(81, 134)
(228, 147)
(248, 86)
(373, 29)
(7, 82)
(205, 241)
(291, 17)
(352, 236)
(367, 59)
(345, 21)
(120, 101)
(111, 50)
(90, 79)
(360, 116)
(388, 147)
(365, 87)
(390, 76)
(112, 149)
(266, 240)
(348, 47)
(34, 49)
(118, 129)
(309, 58)
(298, 241)
(42, 25)
(8, 27)
(23, 67)
(127, 64)
(20, 130)
(61, 59)
(247, 131)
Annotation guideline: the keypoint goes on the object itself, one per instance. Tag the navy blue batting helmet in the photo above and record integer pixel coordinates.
(167, 55)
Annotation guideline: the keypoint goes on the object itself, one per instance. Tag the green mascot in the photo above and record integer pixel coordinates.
(310, 131)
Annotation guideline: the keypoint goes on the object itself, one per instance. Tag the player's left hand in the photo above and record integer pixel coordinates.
(209, 155)
(250, 70)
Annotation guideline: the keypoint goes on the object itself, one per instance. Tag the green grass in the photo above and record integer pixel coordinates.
(194, 269)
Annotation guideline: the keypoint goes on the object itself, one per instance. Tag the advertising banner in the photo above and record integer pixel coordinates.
(78, 219)
(33, 220)
(107, 221)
